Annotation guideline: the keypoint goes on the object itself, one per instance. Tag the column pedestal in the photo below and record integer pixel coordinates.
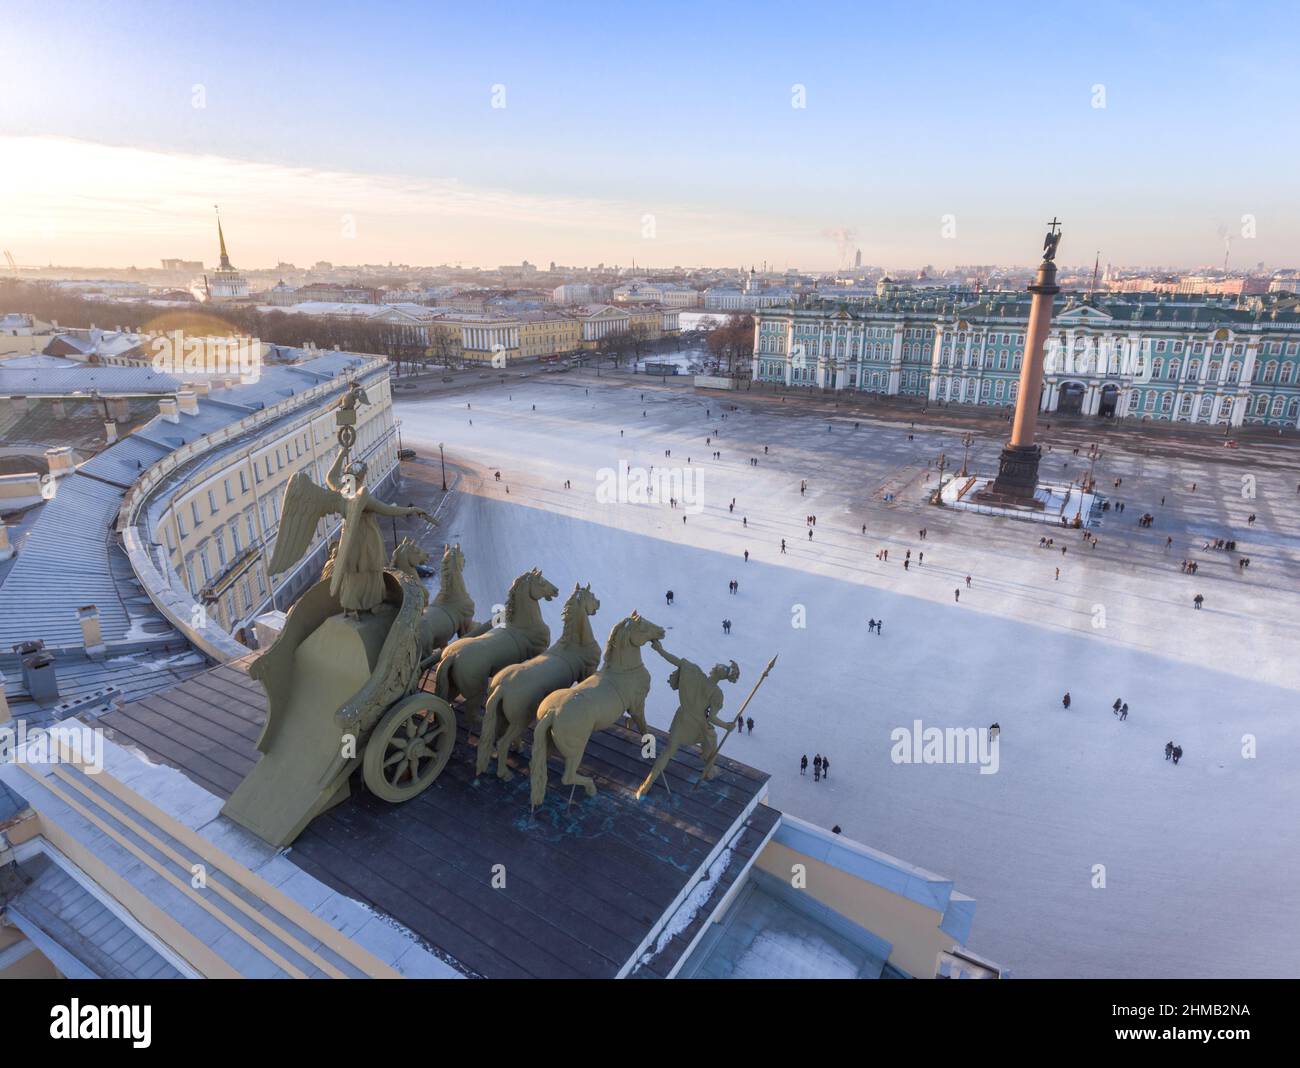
(1017, 478)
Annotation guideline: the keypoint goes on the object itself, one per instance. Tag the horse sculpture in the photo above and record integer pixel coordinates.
(468, 664)
(452, 613)
(568, 717)
(518, 689)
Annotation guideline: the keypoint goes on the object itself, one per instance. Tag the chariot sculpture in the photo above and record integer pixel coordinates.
(346, 677)
(342, 678)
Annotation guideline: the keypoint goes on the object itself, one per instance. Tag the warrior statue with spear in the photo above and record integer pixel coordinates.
(697, 715)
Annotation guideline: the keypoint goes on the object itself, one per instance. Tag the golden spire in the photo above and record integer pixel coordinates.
(225, 259)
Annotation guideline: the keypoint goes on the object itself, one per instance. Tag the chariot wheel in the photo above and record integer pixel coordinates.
(409, 747)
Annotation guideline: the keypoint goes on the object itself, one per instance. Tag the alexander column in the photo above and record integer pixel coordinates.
(1018, 465)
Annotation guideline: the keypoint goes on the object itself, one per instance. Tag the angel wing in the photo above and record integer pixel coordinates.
(305, 505)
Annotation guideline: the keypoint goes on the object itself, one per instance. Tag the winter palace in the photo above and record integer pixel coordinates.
(1185, 359)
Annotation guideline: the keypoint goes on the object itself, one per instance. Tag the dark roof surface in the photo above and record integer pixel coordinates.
(585, 884)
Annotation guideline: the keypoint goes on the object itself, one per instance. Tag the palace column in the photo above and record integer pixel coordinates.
(1018, 465)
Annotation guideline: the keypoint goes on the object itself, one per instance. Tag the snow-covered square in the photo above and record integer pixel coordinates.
(1089, 853)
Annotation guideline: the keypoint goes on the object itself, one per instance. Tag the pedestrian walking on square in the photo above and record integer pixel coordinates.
(803, 765)
(749, 723)
(669, 596)
(1178, 753)
(1123, 712)
(826, 767)
(1115, 707)
(1197, 601)
(871, 625)
(1065, 701)
(1169, 750)
(956, 595)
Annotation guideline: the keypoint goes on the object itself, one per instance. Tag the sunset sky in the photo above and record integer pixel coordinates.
(662, 134)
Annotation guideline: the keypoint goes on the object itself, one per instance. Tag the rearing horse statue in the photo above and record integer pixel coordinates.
(518, 689)
(568, 717)
(468, 663)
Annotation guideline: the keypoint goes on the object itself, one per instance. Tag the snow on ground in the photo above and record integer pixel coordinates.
(1200, 860)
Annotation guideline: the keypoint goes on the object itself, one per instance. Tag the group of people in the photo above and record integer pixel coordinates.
(821, 766)
(1120, 710)
(876, 625)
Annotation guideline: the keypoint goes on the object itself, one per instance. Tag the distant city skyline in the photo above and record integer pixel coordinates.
(928, 136)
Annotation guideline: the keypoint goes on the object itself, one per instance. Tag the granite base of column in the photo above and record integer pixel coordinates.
(1017, 480)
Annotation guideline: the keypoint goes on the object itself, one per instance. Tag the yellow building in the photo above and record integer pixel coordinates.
(508, 339)
(219, 526)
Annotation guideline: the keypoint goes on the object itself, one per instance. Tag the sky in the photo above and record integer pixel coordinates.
(672, 134)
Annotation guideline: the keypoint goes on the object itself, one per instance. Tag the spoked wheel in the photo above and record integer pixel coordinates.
(409, 747)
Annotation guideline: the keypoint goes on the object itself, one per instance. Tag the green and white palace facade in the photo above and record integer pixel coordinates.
(1190, 361)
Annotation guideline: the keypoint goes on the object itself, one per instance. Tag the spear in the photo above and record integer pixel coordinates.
(708, 766)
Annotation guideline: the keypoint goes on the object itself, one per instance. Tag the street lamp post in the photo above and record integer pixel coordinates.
(1086, 487)
(397, 423)
(967, 441)
(443, 460)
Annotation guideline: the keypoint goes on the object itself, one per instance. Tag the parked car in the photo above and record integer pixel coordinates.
(406, 454)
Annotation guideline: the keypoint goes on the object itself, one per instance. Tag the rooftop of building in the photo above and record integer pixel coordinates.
(1144, 309)
(600, 888)
(84, 380)
(69, 558)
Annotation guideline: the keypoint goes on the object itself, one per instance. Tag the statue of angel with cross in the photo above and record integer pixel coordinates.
(1052, 239)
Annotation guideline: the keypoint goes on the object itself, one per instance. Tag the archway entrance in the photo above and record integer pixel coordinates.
(1109, 402)
(1070, 401)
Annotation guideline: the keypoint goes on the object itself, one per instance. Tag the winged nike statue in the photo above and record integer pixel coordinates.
(357, 574)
